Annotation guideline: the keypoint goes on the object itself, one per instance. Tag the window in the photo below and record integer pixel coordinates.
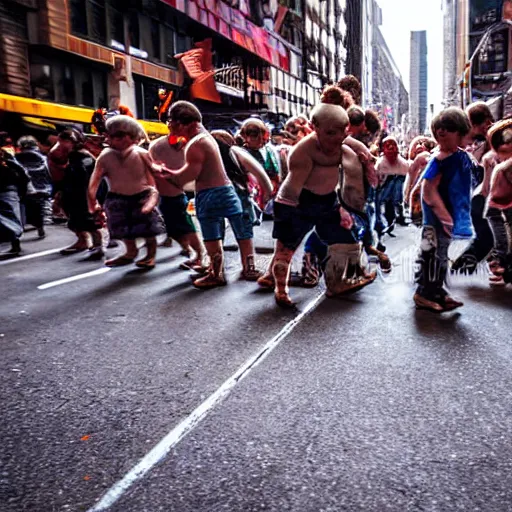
(116, 25)
(146, 96)
(72, 82)
(41, 81)
(133, 29)
(78, 10)
(88, 19)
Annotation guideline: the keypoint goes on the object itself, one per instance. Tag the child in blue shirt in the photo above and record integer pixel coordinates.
(446, 205)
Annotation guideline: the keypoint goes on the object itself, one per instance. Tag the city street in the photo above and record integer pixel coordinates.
(132, 391)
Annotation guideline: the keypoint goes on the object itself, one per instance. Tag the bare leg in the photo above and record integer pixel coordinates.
(249, 272)
(148, 262)
(96, 252)
(267, 279)
(192, 241)
(81, 244)
(127, 257)
(281, 271)
(215, 276)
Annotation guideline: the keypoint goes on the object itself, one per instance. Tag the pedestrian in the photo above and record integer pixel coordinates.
(37, 200)
(307, 200)
(256, 136)
(132, 199)
(481, 119)
(239, 164)
(13, 187)
(216, 199)
(446, 204)
(169, 150)
(499, 203)
(78, 165)
(392, 169)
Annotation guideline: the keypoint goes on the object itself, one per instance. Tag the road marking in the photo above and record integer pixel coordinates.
(96, 272)
(31, 256)
(160, 450)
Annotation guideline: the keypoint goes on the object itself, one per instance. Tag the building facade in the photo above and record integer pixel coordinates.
(268, 56)
(381, 81)
(418, 93)
(478, 38)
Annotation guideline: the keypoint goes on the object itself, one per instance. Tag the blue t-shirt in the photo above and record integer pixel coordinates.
(455, 191)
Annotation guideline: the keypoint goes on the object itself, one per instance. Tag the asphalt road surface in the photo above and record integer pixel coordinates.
(130, 391)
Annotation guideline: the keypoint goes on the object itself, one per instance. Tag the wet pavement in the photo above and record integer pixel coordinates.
(359, 404)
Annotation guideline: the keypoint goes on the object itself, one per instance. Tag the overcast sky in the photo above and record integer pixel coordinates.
(399, 18)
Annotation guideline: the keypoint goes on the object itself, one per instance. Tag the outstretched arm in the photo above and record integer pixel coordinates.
(194, 160)
(251, 165)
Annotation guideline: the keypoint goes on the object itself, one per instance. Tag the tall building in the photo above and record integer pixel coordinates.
(418, 82)
(389, 96)
(450, 78)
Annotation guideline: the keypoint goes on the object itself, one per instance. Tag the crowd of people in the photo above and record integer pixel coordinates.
(335, 180)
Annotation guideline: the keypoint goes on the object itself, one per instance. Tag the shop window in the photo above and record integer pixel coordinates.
(42, 81)
(146, 96)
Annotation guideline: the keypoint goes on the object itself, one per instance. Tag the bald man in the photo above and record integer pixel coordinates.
(307, 199)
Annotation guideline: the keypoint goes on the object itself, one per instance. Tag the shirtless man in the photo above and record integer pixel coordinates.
(307, 199)
(168, 150)
(132, 198)
(216, 198)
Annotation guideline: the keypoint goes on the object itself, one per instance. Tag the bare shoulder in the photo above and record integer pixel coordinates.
(154, 144)
(356, 145)
(489, 158)
(142, 152)
(105, 155)
(505, 167)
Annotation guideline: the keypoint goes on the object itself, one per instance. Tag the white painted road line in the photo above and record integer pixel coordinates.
(74, 278)
(160, 450)
(31, 256)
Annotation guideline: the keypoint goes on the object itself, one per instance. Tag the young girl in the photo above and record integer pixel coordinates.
(446, 204)
(132, 198)
(499, 204)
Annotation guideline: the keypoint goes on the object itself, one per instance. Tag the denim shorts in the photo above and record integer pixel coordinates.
(213, 205)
